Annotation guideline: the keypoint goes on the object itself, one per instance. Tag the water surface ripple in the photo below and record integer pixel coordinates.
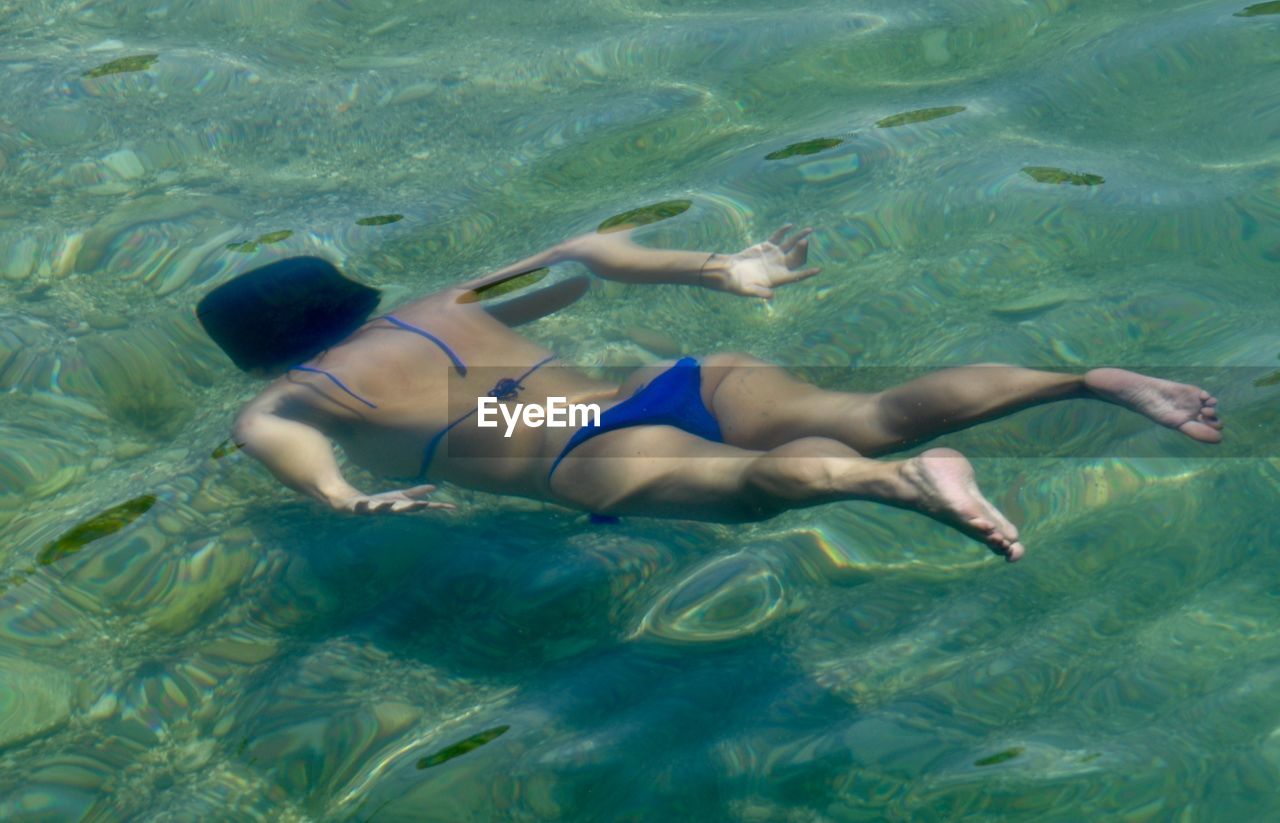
(1050, 182)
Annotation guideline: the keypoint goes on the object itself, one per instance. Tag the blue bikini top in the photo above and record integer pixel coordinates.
(391, 318)
(505, 389)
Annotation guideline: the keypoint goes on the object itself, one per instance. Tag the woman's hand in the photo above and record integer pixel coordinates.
(757, 270)
(392, 502)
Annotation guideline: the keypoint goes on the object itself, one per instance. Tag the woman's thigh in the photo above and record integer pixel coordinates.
(656, 471)
(760, 406)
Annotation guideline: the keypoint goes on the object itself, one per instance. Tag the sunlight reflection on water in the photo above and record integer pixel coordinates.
(231, 651)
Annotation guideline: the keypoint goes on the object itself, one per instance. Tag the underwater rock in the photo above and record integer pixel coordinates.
(1259, 9)
(139, 385)
(380, 220)
(1049, 174)
(1031, 305)
(200, 582)
(37, 250)
(66, 125)
(241, 651)
(34, 465)
(108, 522)
(918, 116)
(333, 725)
(807, 147)
(125, 164)
(19, 259)
(139, 62)
(24, 365)
(660, 343)
(375, 61)
(645, 215)
(33, 699)
(106, 321)
(103, 708)
(143, 233)
(933, 47)
(411, 94)
(69, 404)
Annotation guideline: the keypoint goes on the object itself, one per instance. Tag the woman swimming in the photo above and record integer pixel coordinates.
(725, 438)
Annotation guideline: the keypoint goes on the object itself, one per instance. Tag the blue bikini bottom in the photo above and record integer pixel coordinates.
(673, 398)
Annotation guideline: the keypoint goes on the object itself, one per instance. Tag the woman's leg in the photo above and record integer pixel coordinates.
(659, 471)
(759, 405)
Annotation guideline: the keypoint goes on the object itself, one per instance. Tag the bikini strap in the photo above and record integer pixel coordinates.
(444, 347)
(508, 388)
(429, 453)
(334, 378)
(504, 389)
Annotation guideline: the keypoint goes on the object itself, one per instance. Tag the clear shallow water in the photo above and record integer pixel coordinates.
(232, 651)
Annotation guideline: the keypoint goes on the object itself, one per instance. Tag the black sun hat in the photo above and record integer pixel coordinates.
(282, 314)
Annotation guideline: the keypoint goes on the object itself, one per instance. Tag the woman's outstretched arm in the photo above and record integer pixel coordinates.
(756, 271)
(753, 272)
(301, 457)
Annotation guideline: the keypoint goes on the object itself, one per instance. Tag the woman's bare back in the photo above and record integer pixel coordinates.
(418, 391)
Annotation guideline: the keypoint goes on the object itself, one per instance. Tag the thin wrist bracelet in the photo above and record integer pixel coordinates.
(702, 268)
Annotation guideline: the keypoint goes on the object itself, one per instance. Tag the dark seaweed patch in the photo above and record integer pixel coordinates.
(250, 246)
(1049, 174)
(807, 147)
(1272, 379)
(918, 116)
(460, 748)
(380, 220)
(243, 748)
(140, 62)
(16, 579)
(225, 448)
(645, 215)
(514, 283)
(1000, 757)
(1259, 9)
(108, 522)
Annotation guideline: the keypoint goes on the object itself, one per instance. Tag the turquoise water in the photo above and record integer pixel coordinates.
(1054, 183)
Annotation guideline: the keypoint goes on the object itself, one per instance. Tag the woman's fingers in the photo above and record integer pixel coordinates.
(398, 502)
(797, 254)
(781, 234)
(400, 506)
(796, 276)
(799, 239)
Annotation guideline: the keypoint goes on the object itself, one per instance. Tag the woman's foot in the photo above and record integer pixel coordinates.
(945, 489)
(1189, 409)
